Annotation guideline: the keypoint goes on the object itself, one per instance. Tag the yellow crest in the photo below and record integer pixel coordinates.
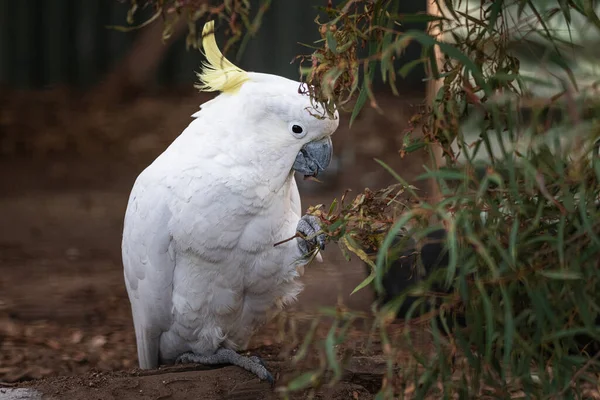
(218, 73)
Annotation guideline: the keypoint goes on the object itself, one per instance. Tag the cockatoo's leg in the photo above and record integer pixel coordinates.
(228, 356)
(308, 226)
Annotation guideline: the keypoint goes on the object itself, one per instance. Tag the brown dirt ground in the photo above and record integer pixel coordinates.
(65, 324)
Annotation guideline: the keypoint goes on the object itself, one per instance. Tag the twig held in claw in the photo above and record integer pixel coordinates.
(298, 234)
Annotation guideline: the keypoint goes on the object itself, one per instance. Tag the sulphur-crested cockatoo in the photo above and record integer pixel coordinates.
(201, 267)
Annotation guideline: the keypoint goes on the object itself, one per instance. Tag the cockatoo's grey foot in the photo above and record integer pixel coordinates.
(308, 226)
(258, 360)
(227, 356)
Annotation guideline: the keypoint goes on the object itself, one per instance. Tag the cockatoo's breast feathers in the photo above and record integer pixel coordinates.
(218, 73)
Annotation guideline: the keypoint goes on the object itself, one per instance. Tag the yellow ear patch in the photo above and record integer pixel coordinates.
(218, 73)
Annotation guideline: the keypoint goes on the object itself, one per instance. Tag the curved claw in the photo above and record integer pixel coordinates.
(321, 241)
(269, 378)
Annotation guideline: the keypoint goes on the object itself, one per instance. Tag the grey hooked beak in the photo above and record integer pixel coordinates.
(314, 157)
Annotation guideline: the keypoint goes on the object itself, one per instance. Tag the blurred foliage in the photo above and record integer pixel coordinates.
(520, 193)
(520, 198)
(237, 15)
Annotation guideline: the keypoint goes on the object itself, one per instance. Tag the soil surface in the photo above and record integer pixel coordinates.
(65, 323)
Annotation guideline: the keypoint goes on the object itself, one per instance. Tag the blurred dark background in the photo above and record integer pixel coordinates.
(47, 43)
(83, 109)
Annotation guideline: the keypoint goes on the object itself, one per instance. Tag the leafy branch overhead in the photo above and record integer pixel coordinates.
(240, 19)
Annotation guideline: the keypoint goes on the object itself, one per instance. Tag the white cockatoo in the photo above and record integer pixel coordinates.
(201, 268)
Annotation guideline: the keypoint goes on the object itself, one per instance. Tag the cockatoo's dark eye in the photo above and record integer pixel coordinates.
(297, 129)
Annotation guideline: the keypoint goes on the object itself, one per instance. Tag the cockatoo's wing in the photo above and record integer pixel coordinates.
(149, 262)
